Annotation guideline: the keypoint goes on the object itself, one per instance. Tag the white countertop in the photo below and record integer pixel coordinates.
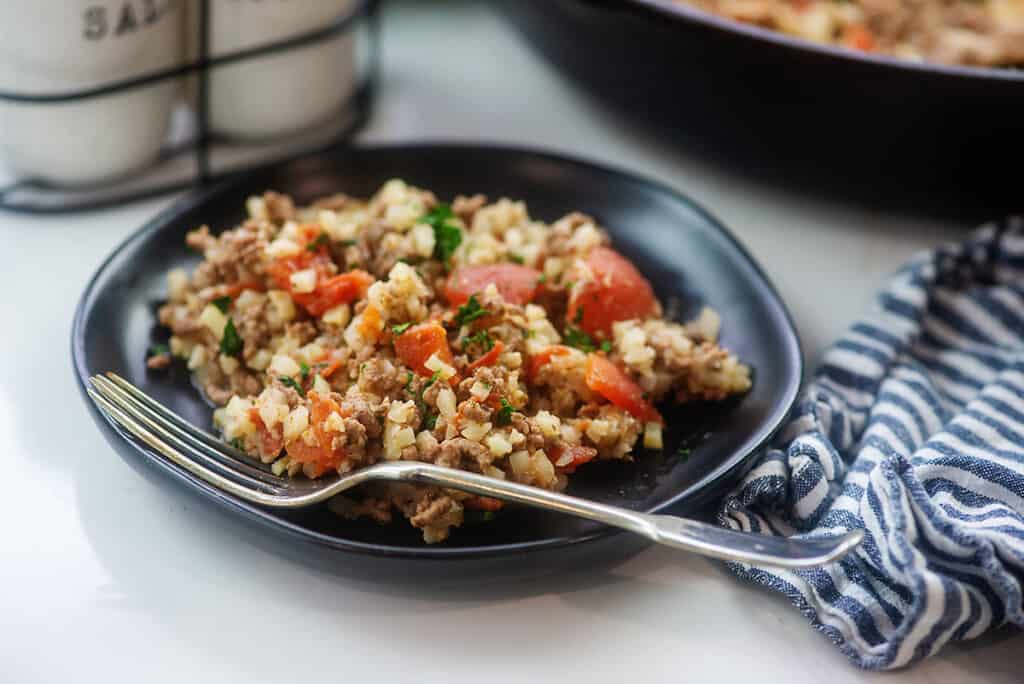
(106, 577)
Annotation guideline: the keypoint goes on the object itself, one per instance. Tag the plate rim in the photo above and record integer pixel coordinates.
(254, 513)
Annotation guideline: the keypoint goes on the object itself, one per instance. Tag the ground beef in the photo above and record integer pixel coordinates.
(302, 332)
(253, 328)
(181, 321)
(280, 207)
(462, 453)
(241, 382)
(379, 377)
(471, 410)
(236, 256)
(360, 411)
(158, 361)
(466, 207)
(429, 511)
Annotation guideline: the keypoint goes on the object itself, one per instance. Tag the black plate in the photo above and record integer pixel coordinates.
(682, 249)
(912, 136)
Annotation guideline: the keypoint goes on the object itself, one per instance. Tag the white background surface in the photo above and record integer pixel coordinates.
(105, 577)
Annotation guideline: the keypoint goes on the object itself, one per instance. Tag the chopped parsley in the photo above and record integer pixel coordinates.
(504, 414)
(291, 382)
(429, 418)
(237, 443)
(231, 341)
(159, 350)
(483, 338)
(606, 347)
(487, 516)
(348, 243)
(578, 318)
(447, 235)
(574, 337)
(303, 369)
(317, 242)
(470, 311)
(682, 452)
(222, 303)
(515, 258)
(542, 279)
(400, 328)
(408, 381)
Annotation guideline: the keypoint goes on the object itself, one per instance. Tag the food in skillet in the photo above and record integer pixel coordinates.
(970, 32)
(471, 336)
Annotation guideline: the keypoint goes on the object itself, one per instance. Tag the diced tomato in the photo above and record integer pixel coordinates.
(608, 380)
(537, 361)
(859, 37)
(271, 443)
(318, 458)
(329, 293)
(617, 292)
(372, 323)
(281, 270)
(309, 233)
(330, 290)
(327, 371)
(483, 503)
(578, 455)
(490, 358)
(417, 344)
(516, 284)
(235, 289)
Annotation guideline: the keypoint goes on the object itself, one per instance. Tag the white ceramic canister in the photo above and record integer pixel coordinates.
(59, 46)
(284, 92)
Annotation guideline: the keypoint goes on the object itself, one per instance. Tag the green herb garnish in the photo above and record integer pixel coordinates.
(606, 347)
(429, 419)
(231, 341)
(400, 328)
(222, 303)
(470, 311)
(159, 350)
(682, 452)
(291, 382)
(542, 279)
(237, 443)
(317, 242)
(447, 234)
(504, 414)
(303, 369)
(408, 381)
(487, 516)
(348, 243)
(515, 258)
(574, 337)
(578, 318)
(483, 338)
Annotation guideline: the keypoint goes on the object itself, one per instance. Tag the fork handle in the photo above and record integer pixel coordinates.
(681, 533)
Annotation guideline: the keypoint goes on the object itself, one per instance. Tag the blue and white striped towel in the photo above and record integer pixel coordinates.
(913, 430)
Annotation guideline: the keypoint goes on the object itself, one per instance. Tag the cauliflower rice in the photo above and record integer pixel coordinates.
(348, 332)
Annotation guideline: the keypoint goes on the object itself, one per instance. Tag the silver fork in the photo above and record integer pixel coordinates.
(213, 461)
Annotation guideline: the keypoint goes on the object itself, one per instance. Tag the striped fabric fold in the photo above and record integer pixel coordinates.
(913, 430)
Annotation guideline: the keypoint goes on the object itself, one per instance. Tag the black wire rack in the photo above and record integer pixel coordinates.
(167, 173)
